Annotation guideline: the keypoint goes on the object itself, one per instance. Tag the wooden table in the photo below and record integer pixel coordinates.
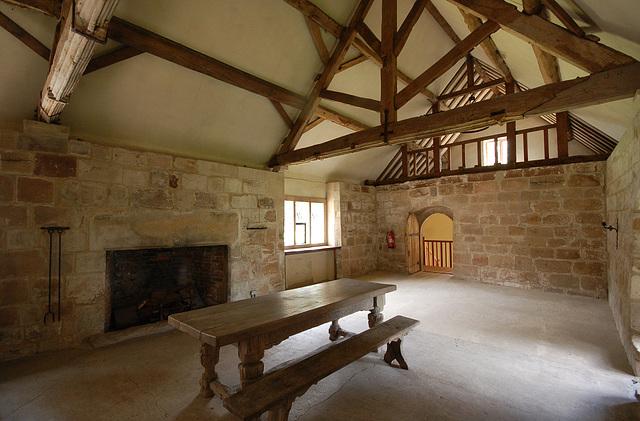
(256, 324)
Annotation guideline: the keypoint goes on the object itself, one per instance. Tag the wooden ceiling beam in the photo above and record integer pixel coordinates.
(564, 17)
(48, 7)
(388, 72)
(605, 86)
(368, 36)
(547, 63)
(83, 25)
(458, 52)
(437, 16)
(581, 52)
(112, 57)
(489, 47)
(159, 46)
(408, 24)
(313, 123)
(285, 117)
(316, 14)
(356, 101)
(25, 37)
(316, 35)
(339, 119)
(313, 12)
(475, 88)
(353, 62)
(330, 70)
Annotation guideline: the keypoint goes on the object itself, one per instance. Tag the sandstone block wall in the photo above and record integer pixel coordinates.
(114, 198)
(532, 228)
(355, 218)
(623, 206)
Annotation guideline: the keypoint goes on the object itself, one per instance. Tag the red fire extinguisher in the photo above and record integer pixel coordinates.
(391, 240)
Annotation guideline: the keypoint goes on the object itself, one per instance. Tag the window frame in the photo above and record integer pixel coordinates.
(308, 200)
(500, 141)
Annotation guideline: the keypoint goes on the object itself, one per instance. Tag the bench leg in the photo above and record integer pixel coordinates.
(394, 352)
(209, 357)
(281, 412)
(335, 331)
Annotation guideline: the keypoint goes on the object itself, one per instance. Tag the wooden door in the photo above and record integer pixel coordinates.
(412, 244)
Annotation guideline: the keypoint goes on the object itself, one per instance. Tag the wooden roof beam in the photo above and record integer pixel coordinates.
(564, 17)
(356, 101)
(489, 47)
(369, 37)
(83, 25)
(316, 35)
(112, 57)
(48, 7)
(316, 14)
(388, 72)
(605, 86)
(26, 38)
(445, 63)
(330, 70)
(437, 16)
(408, 24)
(159, 46)
(547, 63)
(581, 52)
(339, 119)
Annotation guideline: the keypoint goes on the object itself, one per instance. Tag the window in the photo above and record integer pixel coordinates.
(489, 151)
(304, 222)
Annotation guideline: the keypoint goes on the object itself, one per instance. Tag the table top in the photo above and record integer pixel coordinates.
(228, 323)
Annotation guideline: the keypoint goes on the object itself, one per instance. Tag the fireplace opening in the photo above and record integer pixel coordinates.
(147, 285)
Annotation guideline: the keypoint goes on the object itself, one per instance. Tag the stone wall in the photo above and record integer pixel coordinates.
(623, 208)
(114, 198)
(532, 228)
(354, 216)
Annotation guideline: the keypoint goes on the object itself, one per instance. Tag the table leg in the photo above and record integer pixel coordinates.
(209, 357)
(250, 352)
(375, 315)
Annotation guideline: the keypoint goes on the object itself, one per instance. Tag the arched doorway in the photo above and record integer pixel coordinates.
(436, 240)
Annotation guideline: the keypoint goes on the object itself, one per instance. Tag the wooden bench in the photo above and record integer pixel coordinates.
(276, 390)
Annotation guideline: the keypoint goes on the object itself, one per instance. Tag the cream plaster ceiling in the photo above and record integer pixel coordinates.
(148, 103)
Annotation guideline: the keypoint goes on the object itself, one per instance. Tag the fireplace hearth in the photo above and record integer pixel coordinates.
(147, 285)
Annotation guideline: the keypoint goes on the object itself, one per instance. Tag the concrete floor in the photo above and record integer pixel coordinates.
(482, 352)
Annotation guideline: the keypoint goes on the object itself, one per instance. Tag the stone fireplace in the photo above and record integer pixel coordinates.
(116, 199)
(147, 285)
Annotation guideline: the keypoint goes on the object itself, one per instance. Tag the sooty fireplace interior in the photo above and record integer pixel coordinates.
(148, 285)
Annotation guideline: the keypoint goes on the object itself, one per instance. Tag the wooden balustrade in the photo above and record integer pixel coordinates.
(437, 255)
(437, 158)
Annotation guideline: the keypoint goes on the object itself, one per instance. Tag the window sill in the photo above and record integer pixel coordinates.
(310, 249)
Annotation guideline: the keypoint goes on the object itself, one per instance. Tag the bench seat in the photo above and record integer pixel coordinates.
(276, 391)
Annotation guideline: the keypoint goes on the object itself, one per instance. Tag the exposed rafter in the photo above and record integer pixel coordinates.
(605, 86)
(408, 24)
(314, 28)
(313, 12)
(446, 62)
(564, 17)
(581, 52)
(340, 50)
(112, 57)
(489, 47)
(83, 25)
(356, 101)
(26, 38)
(548, 64)
(437, 16)
(388, 73)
